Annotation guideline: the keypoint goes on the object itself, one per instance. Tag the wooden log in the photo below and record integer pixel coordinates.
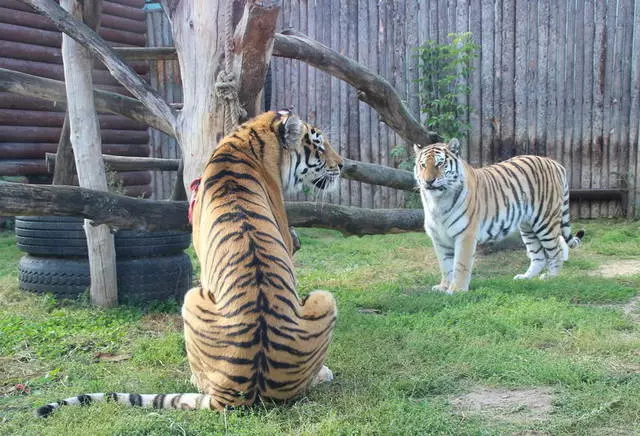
(122, 10)
(98, 47)
(27, 24)
(119, 211)
(15, 117)
(22, 167)
(12, 32)
(30, 150)
(52, 55)
(26, 84)
(147, 53)
(51, 71)
(51, 134)
(121, 163)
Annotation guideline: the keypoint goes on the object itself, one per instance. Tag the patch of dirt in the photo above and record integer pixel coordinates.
(161, 322)
(631, 309)
(621, 267)
(517, 406)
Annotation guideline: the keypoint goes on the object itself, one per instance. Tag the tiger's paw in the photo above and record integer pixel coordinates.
(440, 288)
(325, 375)
(520, 277)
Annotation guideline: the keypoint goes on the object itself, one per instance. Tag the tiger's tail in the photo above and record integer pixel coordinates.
(571, 240)
(190, 401)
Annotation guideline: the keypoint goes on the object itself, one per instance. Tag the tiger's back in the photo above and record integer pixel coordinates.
(247, 333)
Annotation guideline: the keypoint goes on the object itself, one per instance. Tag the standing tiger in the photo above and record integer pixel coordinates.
(247, 333)
(464, 206)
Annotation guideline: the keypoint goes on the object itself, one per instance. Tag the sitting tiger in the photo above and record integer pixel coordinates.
(464, 206)
(247, 333)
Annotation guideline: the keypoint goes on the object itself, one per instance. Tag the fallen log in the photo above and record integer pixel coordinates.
(119, 211)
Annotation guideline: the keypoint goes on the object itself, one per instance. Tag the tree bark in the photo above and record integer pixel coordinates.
(87, 148)
(125, 163)
(253, 44)
(121, 212)
(202, 27)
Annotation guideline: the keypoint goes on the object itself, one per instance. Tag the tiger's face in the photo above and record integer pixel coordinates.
(309, 158)
(438, 168)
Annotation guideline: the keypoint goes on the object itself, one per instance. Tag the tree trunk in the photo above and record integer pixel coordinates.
(87, 148)
(65, 166)
(201, 28)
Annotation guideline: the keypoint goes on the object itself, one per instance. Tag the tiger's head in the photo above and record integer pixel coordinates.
(438, 167)
(307, 157)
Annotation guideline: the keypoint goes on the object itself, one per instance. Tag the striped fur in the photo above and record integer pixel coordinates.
(247, 333)
(465, 206)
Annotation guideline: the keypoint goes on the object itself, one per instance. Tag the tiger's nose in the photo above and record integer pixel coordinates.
(430, 182)
(340, 166)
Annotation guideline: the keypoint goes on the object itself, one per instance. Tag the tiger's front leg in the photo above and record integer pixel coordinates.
(465, 250)
(445, 254)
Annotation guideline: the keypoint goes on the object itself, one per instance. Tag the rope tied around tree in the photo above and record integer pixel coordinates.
(227, 82)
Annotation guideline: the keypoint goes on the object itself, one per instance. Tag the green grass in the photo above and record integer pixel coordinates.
(398, 367)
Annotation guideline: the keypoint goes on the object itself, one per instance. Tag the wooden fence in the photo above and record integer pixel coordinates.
(553, 77)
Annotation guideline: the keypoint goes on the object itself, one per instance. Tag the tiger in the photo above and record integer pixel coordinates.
(464, 206)
(247, 333)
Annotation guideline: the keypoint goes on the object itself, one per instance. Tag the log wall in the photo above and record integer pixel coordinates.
(29, 127)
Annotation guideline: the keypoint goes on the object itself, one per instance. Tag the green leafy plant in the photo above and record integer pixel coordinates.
(442, 73)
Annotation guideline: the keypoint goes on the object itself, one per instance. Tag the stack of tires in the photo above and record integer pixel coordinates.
(150, 265)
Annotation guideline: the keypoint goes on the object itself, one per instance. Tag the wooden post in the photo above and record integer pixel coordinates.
(85, 139)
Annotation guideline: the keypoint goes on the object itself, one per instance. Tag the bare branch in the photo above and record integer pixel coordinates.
(372, 88)
(118, 68)
(253, 43)
(54, 90)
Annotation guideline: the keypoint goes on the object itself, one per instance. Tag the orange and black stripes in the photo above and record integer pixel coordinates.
(465, 206)
(247, 333)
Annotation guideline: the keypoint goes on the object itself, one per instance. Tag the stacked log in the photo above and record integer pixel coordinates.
(30, 127)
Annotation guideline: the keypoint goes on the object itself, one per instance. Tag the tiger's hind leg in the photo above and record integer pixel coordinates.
(535, 252)
(318, 314)
(557, 254)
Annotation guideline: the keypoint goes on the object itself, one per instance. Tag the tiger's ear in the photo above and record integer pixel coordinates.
(417, 148)
(454, 146)
(290, 130)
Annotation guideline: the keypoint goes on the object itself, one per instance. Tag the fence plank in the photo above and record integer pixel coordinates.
(475, 135)
(540, 146)
(487, 73)
(586, 106)
(626, 14)
(522, 90)
(598, 66)
(634, 135)
(363, 111)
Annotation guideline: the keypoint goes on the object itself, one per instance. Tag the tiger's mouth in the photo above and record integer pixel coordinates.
(327, 181)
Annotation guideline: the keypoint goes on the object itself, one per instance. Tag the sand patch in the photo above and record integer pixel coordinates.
(621, 267)
(517, 406)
